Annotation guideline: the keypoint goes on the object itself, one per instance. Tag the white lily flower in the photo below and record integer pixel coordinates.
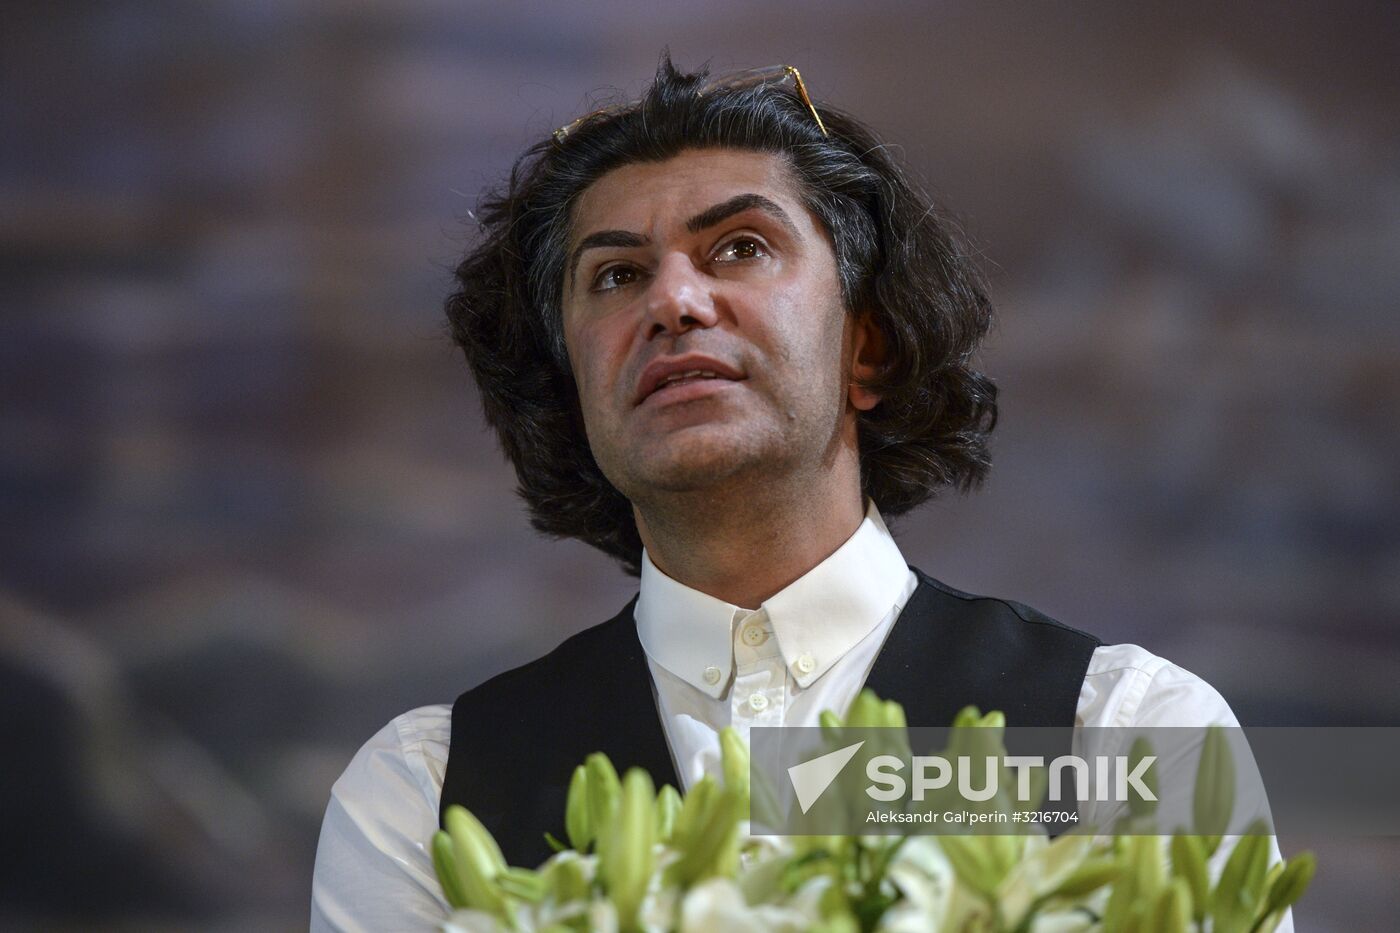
(1043, 868)
(1076, 922)
(718, 904)
(921, 872)
(658, 912)
(602, 917)
(806, 900)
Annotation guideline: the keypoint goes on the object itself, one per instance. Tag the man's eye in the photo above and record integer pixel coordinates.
(614, 277)
(742, 248)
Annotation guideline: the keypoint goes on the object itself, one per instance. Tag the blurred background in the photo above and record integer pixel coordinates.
(250, 512)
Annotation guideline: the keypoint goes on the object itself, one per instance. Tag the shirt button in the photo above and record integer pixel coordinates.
(805, 664)
(754, 635)
(758, 702)
(711, 675)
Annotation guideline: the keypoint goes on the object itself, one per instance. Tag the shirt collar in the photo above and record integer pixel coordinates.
(816, 619)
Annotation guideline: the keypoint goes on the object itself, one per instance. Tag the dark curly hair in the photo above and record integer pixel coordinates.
(896, 258)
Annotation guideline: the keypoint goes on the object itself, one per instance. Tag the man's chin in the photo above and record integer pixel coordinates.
(694, 460)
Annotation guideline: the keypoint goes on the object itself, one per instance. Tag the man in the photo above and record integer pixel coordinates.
(721, 335)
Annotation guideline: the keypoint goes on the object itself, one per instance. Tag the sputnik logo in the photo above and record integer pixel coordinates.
(811, 778)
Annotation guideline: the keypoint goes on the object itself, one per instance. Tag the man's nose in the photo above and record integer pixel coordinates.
(678, 298)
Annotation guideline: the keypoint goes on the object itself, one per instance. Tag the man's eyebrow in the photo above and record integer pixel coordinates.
(737, 205)
(622, 238)
(710, 216)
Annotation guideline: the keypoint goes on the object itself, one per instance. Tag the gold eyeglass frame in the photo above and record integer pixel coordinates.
(738, 81)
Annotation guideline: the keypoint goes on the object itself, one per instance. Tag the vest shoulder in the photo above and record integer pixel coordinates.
(588, 653)
(999, 609)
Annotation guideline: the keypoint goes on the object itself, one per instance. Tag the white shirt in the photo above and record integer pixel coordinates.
(808, 648)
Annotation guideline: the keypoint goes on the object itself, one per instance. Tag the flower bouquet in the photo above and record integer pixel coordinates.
(641, 860)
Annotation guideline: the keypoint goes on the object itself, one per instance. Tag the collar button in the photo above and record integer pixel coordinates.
(805, 664)
(711, 675)
(754, 635)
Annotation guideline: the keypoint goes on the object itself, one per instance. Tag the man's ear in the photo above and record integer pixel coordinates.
(868, 360)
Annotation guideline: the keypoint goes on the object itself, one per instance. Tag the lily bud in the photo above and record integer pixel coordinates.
(967, 716)
(1088, 878)
(603, 791)
(1140, 806)
(1147, 865)
(1241, 883)
(625, 862)
(734, 753)
(707, 833)
(478, 860)
(445, 864)
(693, 810)
(577, 821)
(565, 881)
(668, 807)
(524, 883)
(1215, 785)
(894, 715)
(1172, 912)
(866, 711)
(1289, 886)
(1189, 864)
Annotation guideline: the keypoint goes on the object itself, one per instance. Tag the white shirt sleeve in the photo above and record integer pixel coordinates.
(374, 870)
(1128, 686)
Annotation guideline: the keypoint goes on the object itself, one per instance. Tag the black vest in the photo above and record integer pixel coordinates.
(517, 737)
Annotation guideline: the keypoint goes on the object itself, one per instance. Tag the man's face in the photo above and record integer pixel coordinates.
(704, 323)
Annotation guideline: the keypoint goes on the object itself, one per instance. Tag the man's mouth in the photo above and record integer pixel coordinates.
(669, 376)
(682, 378)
